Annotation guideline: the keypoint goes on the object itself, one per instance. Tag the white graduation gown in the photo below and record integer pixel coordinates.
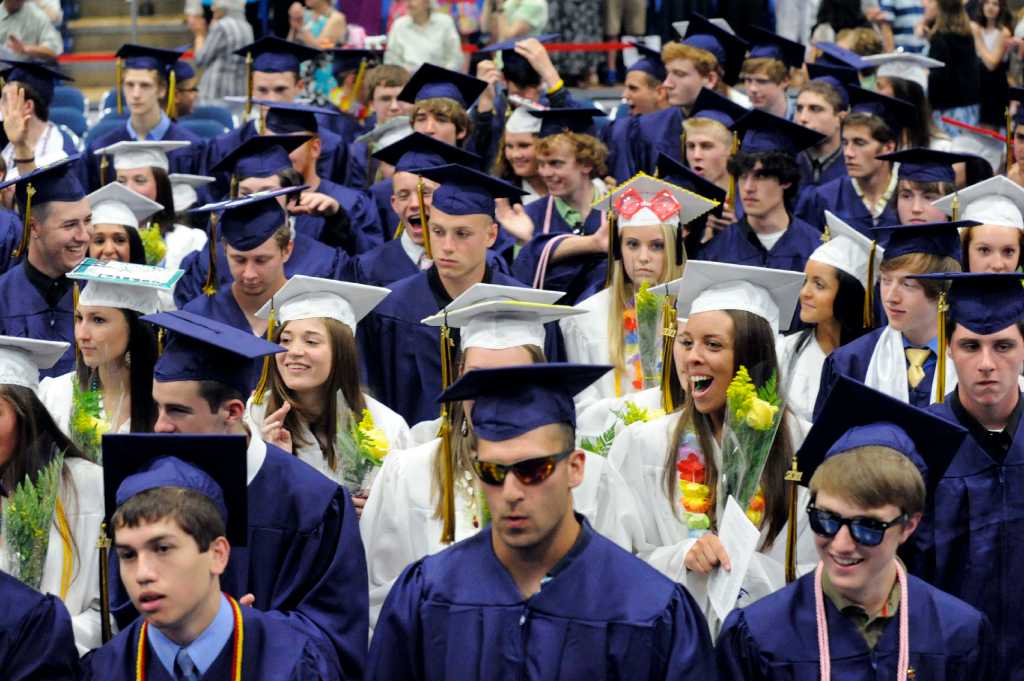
(398, 524)
(55, 393)
(639, 454)
(601, 415)
(392, 425)
(83, 508)
(180, 241)
(801, 378)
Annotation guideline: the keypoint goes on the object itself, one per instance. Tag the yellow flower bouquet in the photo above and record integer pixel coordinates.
(362, 447)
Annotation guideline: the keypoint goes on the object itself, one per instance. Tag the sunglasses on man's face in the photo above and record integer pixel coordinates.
(528, 472)
(865, 531)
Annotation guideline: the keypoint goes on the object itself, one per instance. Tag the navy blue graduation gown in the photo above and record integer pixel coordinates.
(775, 639)
(660, 131)
(189, 160)
(841, 198)
(380, 192)
(972, 539)
(304, 559)
(25, 313)
(458, 614)
(346, 126)
(10, 237)
(361, 166)
(617, 136)
(834, 170)
(271, 651)
(575, 275)
(737, 244)
(309, 257)
(36, 641)
(401, 355)
(364, 224)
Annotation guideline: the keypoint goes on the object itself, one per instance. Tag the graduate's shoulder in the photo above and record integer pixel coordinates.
(22, 605)
(300, 494)
(397, 305)
(655, 124)
(859, 349)
(285, 649)
(115, 660)
(959, 621)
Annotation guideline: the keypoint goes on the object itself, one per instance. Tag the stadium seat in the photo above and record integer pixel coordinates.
(204, 127)
(103, 126)
(68, 97)
(71, 117)
(214, 113)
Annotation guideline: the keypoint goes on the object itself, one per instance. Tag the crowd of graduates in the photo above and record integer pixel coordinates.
(468, 383)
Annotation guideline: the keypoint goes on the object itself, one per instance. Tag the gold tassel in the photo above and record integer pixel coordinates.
(940, 364)
(172, 106)
(248, 83)
(104, 166)
(357, 86)
(955, 206)
(399, 229)
(447, 465)
(103, 546)
(668, 339)
(210, 287)
(423, 219)
(261, 386)
(22, 248)
(74, 316)
(869, 289)
(118, 76)
(233, 189)
(160, 341)
(730, 197)
(613, 236)
(826, 234)
(793, 476)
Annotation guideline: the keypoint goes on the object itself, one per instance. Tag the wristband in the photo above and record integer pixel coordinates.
(556, 87)
(30, 159)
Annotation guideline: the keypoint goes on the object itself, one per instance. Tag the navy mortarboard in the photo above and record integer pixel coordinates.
(925, 165)
(271, 54)
(421, 151)
(514, 66)
(767, 45)
(54, 182)
(36, 75)
(896, 113)
(465, 191)
(430, 82)
(709, 104)
(729, 49)
(764, 132)
(260, 156)
(285, 118)
(648, 62)
(935, 238)
(567, 119)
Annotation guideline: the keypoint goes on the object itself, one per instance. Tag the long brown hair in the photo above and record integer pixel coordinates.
(344, 378)
(754, 348)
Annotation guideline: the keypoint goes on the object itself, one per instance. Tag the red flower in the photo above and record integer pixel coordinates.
(691, 469)
(630, 323)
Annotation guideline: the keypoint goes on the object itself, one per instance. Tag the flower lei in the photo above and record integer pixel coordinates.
(87, 424)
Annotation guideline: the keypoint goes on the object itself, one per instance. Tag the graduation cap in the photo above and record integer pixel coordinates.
(649, 62)
(21, 359)
(995, 201)
(511, 401)
(711, 105)
(925, 165)
(839, 77)
(248, 221)
(183, 189)
(705, 286)
(466, 191)
(907, 65)
(213, 465)
(203, 349)
(499, 317)
(271, 54)
(260, 156)
(567, 119)
(417, 150)
(514, 66)
(768, 45)
(935, 238)
(983, 302)
(36, 75)
(386, 134)
(305, 297)
(678, 174)
(432, 81)
(834, 55)
(896, 113)
(57, 181)
(285, 118)
(116, 204)
(928, 440)
(351, 59)
(764, 132)
(987, 145)
(522, 121)
(183, 71)
(142, 153)
(136, 288)
(710, 36)
(158, 59)
(850, 251)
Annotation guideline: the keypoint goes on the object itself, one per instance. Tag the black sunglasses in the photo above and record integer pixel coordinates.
(865, 531)
(529, 472)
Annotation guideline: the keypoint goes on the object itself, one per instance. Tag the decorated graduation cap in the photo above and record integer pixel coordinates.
(712, 37)
(430, 82)
(767, 45)
(567, 119)
(649, 62)
(838, 77)
(925, 165)
(511, 401)
(934, 238)
(386, 134)
(212, 465)
(879, 420)
(183, 189)
(834, 55)
(907, 65)
(203, 349)
(848, 250)
(713, 106)
(260, 156)
(124, 285)
(466, 191)
(21, 359)
(285, 118)
(142, 153)
(995, 201)
(56, 181)
(706, 286)
(417, 150)
(499, 317)
(36, 75)
(896, 113)
(675, 172)
(161, 60)
(514, 66)
(116, 204)
(764, 132)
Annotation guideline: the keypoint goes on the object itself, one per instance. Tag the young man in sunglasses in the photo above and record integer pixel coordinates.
(869, 618)
(538, 593)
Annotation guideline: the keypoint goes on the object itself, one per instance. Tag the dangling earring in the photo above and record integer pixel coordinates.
(464, 428)
(128, 358)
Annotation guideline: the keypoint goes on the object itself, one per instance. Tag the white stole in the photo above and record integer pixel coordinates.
(887, 370)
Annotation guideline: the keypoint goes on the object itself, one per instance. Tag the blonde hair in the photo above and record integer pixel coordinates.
(772, 68)
(871, 477)
(923, 263)
(586, 149)
(707, 126)
(703, 61)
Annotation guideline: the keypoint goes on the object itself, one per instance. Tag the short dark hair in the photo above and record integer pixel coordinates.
(42, 107)
(194, 513)
(216, 393)
(778, 164)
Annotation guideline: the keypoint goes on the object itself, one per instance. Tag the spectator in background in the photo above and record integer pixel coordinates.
(794, 19)
(835, 16)
(53, 11)
(577, 21)
(992, 26)
(903, 17)
(26, 30)
(863, 40)
(511, 19)
(954, 90)
(423, 36)
(318, 25)
(186, 89)
(224, 73)
(619, 14)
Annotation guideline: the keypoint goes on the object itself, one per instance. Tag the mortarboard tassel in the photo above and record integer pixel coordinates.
(940, 363)
(613, 237)
(160, 340)
(447, 465)
(210, 287)
(399, 229)
(261, 385)
(357, 86)
(22, 248)
(869, 292)
(793, 476)
(423, 219)
(955, 206)
(103, 546)
(668, 339)
(730, 197)
(104, 166)
(74, 315)
(172, 106)
(248, 83)
(118, 71)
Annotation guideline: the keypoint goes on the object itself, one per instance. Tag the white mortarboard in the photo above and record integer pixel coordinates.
(522, 121)
(995, 201)
(499, 317)
(907, 65)
(847, 250)
(305, 297)
(123, 285)
(644, 200)
(706, 286)
(682, 26)
(116, 204)
(21, 359)
(183, 189)
(981, 142)
(142, 154)
(386, 133)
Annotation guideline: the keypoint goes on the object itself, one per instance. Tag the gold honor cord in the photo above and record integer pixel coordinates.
(210, 287)
(248, 83)
(940, 364)
(118, 76)
(613, 236)
(447, 465)
(423, 219)
(668, 339)
(22, 247)
(869, 288)
(172, 86)
(103, 546)
(67, 551)
(793, 477)
(261, 386)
